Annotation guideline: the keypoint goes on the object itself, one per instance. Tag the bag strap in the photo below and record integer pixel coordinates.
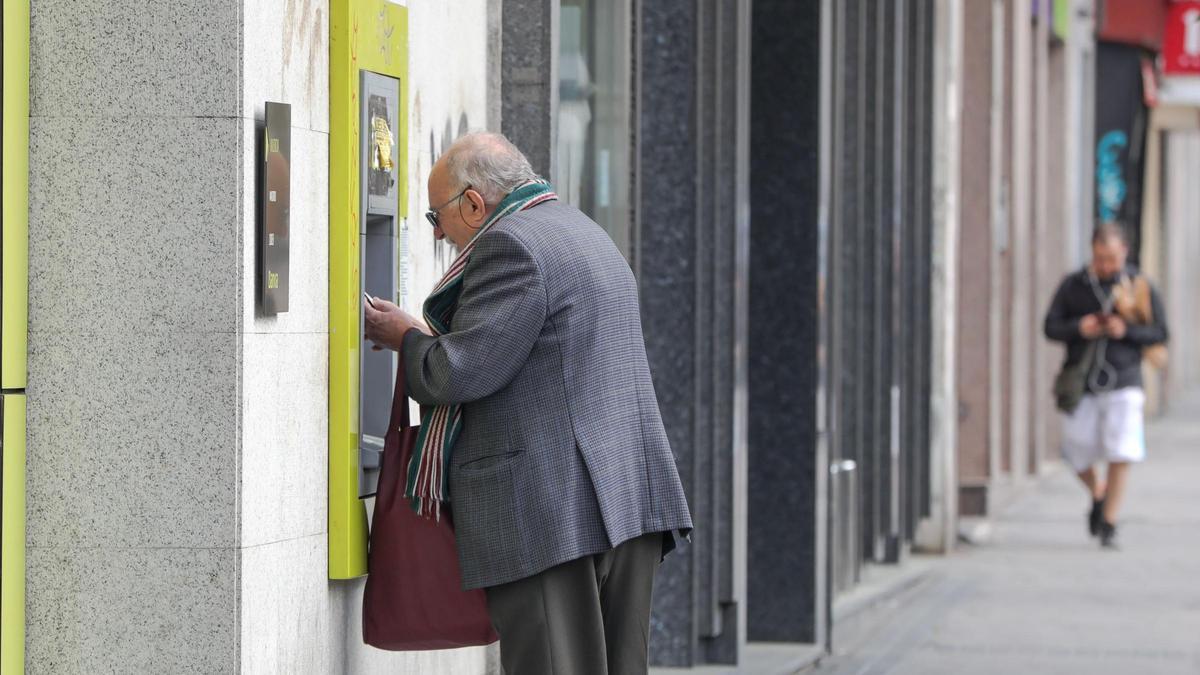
(400, 416)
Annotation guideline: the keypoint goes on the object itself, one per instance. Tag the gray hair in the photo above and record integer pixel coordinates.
(489, 163)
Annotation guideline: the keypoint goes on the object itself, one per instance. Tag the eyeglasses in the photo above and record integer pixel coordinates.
(432, 214)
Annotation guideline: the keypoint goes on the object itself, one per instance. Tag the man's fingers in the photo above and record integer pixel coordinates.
(384, 305)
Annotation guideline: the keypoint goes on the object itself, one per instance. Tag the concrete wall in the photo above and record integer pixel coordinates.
(177, 439)
(938, 532)
(1180, 282)
(1169, 244)
(975, 265)
(1021, 216)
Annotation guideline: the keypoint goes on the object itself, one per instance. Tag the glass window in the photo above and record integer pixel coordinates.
(592, 169)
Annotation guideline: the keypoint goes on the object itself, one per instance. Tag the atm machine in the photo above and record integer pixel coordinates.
(368, 174)
(378, 264)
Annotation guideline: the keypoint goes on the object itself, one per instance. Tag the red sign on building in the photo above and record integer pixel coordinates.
(1181, 43)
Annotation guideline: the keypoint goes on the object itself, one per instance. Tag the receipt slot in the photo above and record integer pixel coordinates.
(380, 103)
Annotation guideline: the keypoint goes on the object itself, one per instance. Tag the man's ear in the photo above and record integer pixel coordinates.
(477, 203)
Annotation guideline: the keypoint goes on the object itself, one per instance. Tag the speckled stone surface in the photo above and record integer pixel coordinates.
(529, 105)
(120, 610)
(160, 59)
(132, 440)
(133, 225)
(284, 436)
(784, 330)
(667, 280)
(308, 245)
(287, 60)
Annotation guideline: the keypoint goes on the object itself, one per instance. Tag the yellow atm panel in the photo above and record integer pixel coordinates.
(368, 180)
(14, 321)
(12, 531)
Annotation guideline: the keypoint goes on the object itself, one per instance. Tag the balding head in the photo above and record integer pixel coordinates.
(466, 184)
(489, 163)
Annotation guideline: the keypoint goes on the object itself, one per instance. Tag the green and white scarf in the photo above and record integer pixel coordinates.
(428, 485)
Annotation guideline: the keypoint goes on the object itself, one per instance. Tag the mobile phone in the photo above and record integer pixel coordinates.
(369, 300)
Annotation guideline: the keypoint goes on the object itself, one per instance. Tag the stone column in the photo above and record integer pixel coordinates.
(974, 307)
(937, 533)
(787, 468)
(690, 223)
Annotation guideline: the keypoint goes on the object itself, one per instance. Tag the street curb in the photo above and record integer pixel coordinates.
(856, 615)
(887, 584)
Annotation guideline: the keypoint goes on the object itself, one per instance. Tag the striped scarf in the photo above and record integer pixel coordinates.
(427, 485)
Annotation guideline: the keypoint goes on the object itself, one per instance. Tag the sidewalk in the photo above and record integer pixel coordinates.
(1042, 597)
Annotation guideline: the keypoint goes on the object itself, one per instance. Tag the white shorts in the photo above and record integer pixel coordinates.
(1105, 427)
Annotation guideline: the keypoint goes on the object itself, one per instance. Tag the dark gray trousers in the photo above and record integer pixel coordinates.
(588, 616)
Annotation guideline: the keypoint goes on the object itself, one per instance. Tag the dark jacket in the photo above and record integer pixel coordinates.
(1076, 299)
(563, 452)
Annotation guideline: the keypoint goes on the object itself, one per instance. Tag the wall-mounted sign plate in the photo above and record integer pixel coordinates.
(275, 198)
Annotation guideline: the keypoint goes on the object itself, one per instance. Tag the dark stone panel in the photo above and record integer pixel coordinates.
(723, 647)
(924, 255)
(782, 592)
(911, 232)
(918, 104)
(885, 279)
(667, 241)
(854, 272)
(528, 103)
(848, 198)
(868, 227)
(706, 546)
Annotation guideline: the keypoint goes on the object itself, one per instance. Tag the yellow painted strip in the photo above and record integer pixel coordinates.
(15, 294)
(14, 321)
(12, 566)
(363, 35)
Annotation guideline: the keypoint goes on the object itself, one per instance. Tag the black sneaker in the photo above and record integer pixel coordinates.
(1096, 517)
(1108, 535)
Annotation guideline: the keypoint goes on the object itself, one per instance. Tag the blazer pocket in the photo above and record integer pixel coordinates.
(488, 462)
(485, 523)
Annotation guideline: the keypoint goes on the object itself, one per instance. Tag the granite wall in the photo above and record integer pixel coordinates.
(178, 438)
(689, 225)
(135, 306)
(786, 466)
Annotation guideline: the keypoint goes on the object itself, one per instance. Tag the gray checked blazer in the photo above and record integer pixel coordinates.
(563, 452)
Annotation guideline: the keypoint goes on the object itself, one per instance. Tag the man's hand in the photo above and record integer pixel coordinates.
(385, 324)
(1091, 326)
(1115, 327)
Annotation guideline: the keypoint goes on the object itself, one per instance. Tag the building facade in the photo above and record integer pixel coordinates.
(846, 218)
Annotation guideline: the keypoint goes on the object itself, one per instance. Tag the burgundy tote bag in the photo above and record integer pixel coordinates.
(414, 598)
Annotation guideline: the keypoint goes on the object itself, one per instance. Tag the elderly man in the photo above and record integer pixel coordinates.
(542, 428)
(1102, 419)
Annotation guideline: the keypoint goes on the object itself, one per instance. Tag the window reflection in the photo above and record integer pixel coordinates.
(592, 170)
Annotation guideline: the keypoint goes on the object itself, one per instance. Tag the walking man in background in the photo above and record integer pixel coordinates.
(1109, 316)
(533, 368)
